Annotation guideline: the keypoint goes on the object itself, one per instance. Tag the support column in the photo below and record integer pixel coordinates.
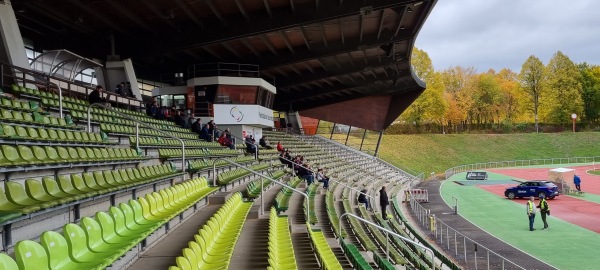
(12, 48)
(363, 140)
(378, 143)
(332, 129)
(348, 135)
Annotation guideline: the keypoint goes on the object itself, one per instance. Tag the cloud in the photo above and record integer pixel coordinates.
(502, 34)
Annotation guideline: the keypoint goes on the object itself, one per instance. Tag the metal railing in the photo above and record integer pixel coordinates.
(471, 253)
(137, 132)
(262, 188)
(519, 163)
(387, 232)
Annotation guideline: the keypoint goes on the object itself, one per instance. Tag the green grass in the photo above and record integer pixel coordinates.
(596, 172)
(436, 153)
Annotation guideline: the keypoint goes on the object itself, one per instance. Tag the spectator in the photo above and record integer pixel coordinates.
(197, 126)
(205, 135)
(383, 202)
(577, 182)
(280, 147)
(306, 173)
(179, 119)
(120, 88)
(264, 142)
(362, 198)
(321, 177)
(96, 96)
(224, 141)
(190, 121)
(250, 145)
(127, 91)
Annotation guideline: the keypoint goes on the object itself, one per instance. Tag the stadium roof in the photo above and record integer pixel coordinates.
(341, 61)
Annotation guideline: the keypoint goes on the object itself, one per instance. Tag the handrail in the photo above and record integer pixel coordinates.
(89, 125)
(261, 183)
(386, 236)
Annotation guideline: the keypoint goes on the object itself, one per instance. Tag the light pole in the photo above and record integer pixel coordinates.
(574, 117)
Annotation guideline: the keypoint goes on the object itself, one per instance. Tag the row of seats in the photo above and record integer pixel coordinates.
(98, 242)
(20, 200)
(323, 250)
(358, 230)
(25, 118)
(381, 238)
(203, 152)
(311, 191)
(357, 260)
(42, 134)
(281, 251)
(128, 130)
(204, 164)
(282, 199)
(23, 155)
(214, 243)
(253, 189)
(332, 213)
(16, 105)
(158, 141)
(21, 90)
(117, 119)
(227, 177)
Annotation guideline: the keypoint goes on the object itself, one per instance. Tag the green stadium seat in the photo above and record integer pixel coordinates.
(16, 194)
(31, 255)
(96, 243)
(79, 184)
(57, 248)
(36, 190)
(52, 155)
(79, 251)
(7, 263)
(66, 186)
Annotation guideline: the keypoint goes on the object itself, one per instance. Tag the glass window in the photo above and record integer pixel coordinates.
(235, 94)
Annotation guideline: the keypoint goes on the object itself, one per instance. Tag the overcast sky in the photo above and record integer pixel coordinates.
(503, 33)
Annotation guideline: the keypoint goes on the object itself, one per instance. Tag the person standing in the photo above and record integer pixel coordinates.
(577, 182)
(544, 210)
(383, 202)
(531, 212)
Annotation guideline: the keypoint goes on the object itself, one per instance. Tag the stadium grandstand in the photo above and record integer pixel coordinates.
(163, 169)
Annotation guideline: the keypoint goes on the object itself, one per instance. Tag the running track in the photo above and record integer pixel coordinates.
(579, 212)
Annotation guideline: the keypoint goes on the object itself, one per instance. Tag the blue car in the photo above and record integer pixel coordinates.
(538, 188)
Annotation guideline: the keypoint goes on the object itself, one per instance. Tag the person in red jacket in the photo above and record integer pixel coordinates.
(280, 147)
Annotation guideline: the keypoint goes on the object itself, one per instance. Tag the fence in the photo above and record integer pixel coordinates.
(519, 163)
(465, 250)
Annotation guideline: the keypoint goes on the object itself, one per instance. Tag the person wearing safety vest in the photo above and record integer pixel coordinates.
(531, 212)
(544, 210)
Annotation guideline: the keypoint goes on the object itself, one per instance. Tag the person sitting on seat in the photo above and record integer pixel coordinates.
(250, 144)
(96, 96)
(224, 141)
(306, 173)
(280, 147)
(321, 177)
(264, 142)
(362, 198)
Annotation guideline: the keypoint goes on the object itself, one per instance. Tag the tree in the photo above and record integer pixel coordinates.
(430, 106)
(511, 97)
(563, 86)
(590, 91)
(531, 82)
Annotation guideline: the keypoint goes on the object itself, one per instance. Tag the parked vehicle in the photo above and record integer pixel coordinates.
(537, 188)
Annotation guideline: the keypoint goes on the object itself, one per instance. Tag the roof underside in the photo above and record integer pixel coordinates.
(317, 53)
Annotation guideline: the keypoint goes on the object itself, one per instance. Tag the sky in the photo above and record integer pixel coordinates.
(501, 34)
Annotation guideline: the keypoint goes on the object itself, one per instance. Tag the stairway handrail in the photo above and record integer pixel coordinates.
(387, 253)
(261, 183)
(89, 128)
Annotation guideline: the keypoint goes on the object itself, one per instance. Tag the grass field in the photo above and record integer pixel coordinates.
(436, 152)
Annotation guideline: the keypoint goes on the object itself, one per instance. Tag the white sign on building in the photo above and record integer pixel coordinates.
(235, 114)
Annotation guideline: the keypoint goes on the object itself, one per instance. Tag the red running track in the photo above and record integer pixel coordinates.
(579, 212)
(589, 183)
